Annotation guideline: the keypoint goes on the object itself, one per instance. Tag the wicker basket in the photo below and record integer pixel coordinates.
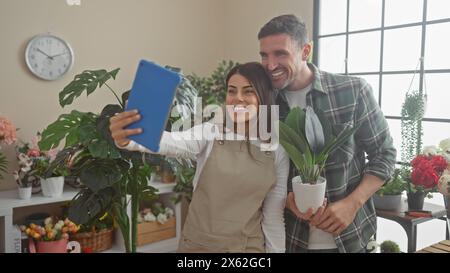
(96, 241)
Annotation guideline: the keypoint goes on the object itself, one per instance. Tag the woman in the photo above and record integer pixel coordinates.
(239, 190)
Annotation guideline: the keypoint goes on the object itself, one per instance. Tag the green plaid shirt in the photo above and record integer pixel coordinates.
(346, 101)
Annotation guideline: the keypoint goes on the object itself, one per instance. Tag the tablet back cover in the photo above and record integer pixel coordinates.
(152, 93)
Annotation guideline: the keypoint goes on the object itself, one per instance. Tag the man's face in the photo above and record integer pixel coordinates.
(282, 59)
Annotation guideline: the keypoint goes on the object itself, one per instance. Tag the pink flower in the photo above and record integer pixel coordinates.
(7, 131)
(33, 153)
(52, 154)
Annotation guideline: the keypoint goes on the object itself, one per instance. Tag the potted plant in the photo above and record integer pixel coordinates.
(389, 196)
(308, 139)
(51, 176)
(389, 247)
(52, 238)
(23, 178)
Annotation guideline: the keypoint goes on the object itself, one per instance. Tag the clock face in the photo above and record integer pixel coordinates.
(48, 57)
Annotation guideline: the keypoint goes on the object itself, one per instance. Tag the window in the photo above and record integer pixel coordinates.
(389, 43)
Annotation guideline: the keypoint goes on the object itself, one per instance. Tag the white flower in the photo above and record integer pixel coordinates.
(48, 221)
(59, 225)
(162, 218)
(444, 183)
(149, 217)
(429, 150)
(169, 212)
(445, 147)
(139, 218)
(445, 144)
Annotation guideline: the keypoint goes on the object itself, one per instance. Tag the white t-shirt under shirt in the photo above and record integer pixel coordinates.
(318, 239)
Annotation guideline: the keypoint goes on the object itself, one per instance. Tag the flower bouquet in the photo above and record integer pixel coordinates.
(7, 136)
(52, 238)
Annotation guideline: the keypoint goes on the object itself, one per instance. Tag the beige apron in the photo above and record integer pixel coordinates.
(225, 213)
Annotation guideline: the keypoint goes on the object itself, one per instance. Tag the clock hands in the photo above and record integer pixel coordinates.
(50, 57)
(59, 54)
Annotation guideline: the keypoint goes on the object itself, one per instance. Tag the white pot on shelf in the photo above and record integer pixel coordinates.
(308, 195)
(24, 192)
(53, 186)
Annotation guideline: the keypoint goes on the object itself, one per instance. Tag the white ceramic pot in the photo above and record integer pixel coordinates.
(53, 186)
(25, 193)
(308, 195)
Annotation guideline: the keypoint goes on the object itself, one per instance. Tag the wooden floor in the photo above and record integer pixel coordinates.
(441, 247)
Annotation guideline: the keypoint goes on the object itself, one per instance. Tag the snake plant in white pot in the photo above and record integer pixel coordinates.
(308, 139)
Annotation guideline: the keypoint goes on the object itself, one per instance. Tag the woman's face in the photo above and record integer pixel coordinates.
(241, 101)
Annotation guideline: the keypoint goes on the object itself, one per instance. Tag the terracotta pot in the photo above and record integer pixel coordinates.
(168, 177)
(59, 246)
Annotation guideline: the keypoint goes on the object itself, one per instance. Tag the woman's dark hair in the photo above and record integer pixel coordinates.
(255, 73)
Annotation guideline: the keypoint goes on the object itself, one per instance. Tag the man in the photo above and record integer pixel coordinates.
(348, 220)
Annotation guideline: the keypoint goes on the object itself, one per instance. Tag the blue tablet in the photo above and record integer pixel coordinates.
(152, 94)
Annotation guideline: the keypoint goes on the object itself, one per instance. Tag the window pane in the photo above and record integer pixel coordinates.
(373, 80)
(438, 96)
(332, 54)
(437, 46)
(358, 47)
(398, 12)
(438, 9)
(434, 132)
(394, 90)
(333, 16)
(402, 48)
(395, 130)
(365, 14)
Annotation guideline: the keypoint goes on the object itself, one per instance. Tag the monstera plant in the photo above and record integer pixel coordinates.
(112, 178)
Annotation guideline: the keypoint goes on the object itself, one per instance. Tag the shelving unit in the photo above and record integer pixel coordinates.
(9, 201)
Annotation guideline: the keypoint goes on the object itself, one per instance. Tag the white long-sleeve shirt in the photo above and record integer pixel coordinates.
(197, 143)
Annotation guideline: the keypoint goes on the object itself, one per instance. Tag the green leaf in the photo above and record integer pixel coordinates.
(341, 138)
(289, 135)
(313, 130)
(98, 174)
(88, 205)
(296, 120)
(88, 80)
(294, 154)
(66, 125)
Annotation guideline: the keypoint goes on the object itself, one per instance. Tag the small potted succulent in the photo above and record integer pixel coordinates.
(389, 247)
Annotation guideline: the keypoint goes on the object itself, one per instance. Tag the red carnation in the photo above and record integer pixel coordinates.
(424, 175)
(439, 163)
(418, 160)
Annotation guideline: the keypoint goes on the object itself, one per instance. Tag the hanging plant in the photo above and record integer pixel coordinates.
(413, 111)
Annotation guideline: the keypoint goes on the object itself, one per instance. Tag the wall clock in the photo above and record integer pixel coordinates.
(49, 57)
